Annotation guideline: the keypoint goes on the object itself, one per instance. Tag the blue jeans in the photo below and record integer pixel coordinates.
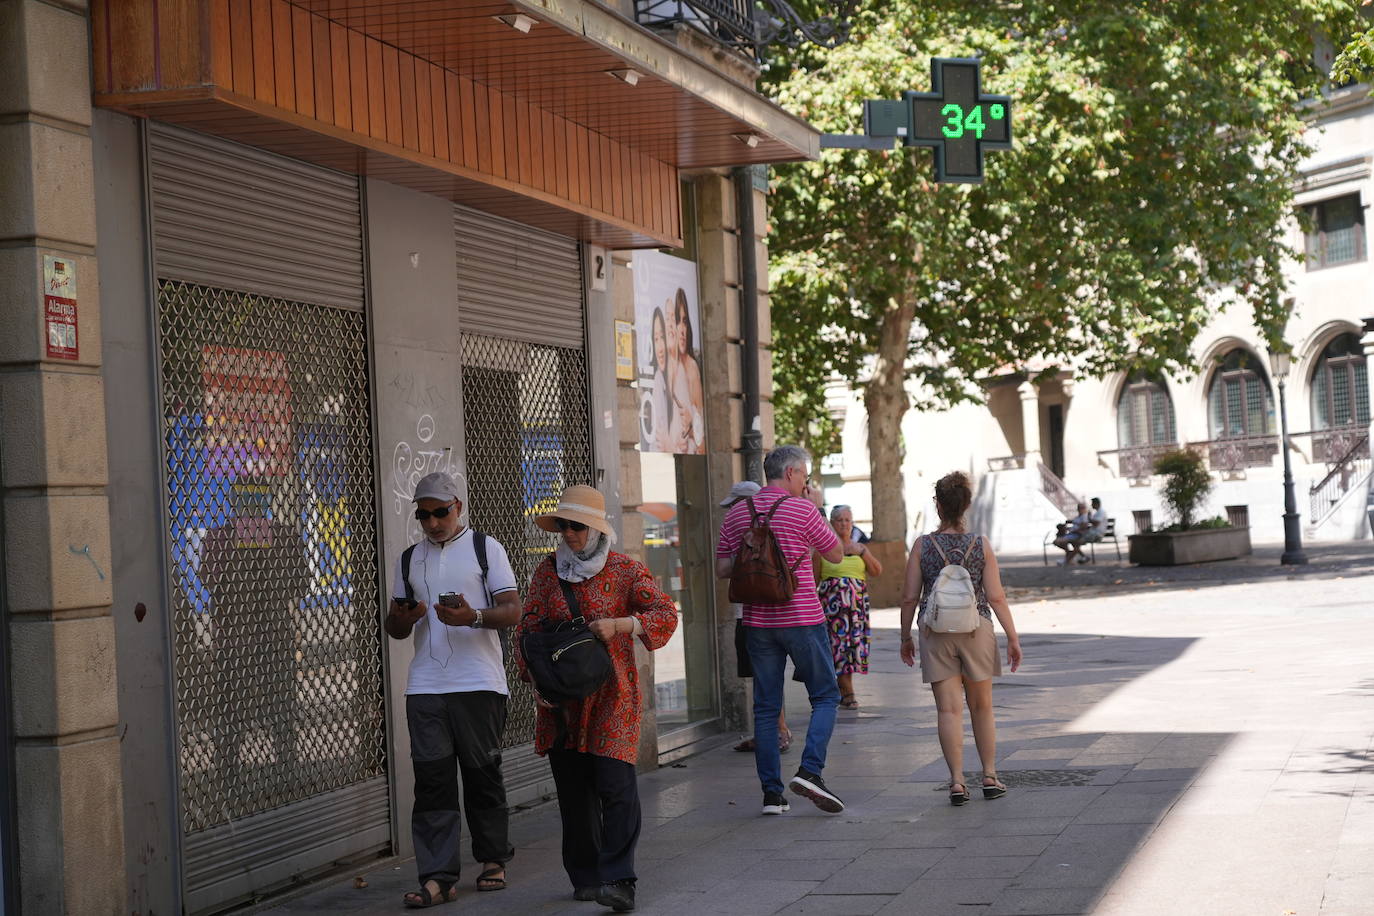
(809, 649)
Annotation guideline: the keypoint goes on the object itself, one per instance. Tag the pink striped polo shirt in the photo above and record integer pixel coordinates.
(799, 528)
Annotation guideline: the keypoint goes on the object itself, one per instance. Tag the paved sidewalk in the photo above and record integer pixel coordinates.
(1190, 750)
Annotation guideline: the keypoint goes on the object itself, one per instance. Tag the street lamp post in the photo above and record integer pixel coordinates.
(1280, 362)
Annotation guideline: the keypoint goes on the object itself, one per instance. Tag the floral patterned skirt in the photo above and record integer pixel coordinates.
(846, 615)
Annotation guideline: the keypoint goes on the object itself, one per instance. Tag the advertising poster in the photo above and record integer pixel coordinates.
(59, 307)
(667, 348)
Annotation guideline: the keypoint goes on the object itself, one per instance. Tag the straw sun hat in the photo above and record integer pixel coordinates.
(579, 504)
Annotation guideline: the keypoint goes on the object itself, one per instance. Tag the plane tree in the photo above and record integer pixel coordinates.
(1156, 146)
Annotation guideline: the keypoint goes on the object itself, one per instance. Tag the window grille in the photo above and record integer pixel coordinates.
(1336, 232)
(270, 499)
(1240, 403)
(527, 428)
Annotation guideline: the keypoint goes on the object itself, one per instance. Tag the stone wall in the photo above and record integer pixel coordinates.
(53, 477)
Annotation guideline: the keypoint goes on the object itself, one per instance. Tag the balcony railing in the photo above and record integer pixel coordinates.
(1330, 446)
(1348, 469)
(750, 25)
(728, 21)
(1007, 463)
(1233, 456)
(1136, 463)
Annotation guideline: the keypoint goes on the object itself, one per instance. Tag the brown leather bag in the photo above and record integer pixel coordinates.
(761, 574)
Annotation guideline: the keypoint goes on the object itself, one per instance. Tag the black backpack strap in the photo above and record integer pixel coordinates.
(405, 572)
(570, 597)
(479, 547)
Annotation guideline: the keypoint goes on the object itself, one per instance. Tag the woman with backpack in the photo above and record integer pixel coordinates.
(952, 577)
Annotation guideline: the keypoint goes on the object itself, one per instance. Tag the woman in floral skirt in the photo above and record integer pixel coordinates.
(844, 595)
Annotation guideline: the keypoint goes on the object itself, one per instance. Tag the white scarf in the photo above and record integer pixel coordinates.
(585, 563)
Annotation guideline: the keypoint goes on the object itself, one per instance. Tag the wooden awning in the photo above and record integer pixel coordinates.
(444, 97)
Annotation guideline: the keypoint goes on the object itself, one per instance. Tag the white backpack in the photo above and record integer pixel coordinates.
(953, 601)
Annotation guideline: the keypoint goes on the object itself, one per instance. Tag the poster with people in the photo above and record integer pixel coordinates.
(667, 347)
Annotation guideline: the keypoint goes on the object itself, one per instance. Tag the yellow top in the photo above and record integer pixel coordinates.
(850, 567)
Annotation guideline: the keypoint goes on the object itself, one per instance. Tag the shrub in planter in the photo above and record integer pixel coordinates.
(1186, 484)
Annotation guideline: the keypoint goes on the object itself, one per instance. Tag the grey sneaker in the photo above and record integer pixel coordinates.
(775, 803)
(813, 787)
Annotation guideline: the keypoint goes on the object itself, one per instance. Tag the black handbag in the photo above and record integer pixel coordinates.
(567, 662)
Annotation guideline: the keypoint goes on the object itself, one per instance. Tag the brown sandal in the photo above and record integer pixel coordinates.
(960, 797)
(849, 701)
(993, 787)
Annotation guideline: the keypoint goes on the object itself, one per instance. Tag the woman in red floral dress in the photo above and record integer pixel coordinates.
(594, 769)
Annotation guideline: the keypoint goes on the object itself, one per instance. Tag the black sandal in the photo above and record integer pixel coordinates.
(492, 883)
(958, 798)
(996, 790)
(426, 899)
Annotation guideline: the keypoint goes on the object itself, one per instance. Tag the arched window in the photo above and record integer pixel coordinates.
(1144, 413)
(1340, 385)
(1239, 402)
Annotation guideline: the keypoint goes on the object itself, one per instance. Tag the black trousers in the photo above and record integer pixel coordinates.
(451, 732)
(598, 798)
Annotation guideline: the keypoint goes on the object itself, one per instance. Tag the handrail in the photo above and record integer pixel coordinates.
(1057, 492)
(1352, 465)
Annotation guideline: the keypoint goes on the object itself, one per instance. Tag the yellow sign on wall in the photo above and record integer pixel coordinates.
(624, 351)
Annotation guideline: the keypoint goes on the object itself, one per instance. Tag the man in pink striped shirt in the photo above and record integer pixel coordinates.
(796, 630)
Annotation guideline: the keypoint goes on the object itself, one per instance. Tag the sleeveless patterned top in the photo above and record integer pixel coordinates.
(955, 547)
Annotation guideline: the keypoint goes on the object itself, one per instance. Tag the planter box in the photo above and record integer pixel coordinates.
(1176, 548)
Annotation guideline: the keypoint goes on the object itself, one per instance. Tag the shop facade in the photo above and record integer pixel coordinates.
(310, 255)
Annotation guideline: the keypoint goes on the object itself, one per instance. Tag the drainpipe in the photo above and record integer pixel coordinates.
(751, 442)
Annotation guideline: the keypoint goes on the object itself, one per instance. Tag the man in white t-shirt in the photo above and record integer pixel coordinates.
(456, 691)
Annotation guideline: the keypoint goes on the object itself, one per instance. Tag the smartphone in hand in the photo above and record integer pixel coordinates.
(449, 599)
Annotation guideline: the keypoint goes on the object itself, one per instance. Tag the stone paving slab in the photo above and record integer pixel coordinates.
(1163, 750)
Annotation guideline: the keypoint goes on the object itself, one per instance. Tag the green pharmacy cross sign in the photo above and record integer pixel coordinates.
(956, 120)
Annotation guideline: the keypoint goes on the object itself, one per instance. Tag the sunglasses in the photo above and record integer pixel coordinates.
(565, 525)
(441, 512)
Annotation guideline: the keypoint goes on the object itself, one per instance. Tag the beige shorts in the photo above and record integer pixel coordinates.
(972, 656)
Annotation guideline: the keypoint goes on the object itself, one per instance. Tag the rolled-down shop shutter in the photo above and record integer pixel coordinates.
(516, 282)
(525, 411)
(266, 406)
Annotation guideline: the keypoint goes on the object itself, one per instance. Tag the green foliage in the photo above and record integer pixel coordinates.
(1356, 60)
(1215, 521)
(1156, 146)
(1186, 484)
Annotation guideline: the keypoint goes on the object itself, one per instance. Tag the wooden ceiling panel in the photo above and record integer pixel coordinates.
(561, 72)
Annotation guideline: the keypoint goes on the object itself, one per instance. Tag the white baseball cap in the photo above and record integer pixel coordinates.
(743, 489)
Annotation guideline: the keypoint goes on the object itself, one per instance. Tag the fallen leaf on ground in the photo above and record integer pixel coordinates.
(359, 882)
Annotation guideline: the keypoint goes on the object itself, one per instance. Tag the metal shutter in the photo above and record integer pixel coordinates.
(233, 217)
(516, 282)
(280, 736)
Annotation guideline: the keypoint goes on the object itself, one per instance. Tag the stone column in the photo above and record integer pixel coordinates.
(1030, 423)
(53, 474)
(718, 254)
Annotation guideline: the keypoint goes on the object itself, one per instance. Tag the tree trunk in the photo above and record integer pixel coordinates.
(886, 401)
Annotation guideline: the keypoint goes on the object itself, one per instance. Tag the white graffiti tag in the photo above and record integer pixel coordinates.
(411, 461)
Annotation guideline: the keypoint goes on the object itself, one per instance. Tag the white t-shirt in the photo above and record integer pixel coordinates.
(455, 659)
(1099, 519)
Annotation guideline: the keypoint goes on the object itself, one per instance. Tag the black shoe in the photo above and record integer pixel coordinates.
(775, 803)
(618, 895)
(585, 893)
(813, 787)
